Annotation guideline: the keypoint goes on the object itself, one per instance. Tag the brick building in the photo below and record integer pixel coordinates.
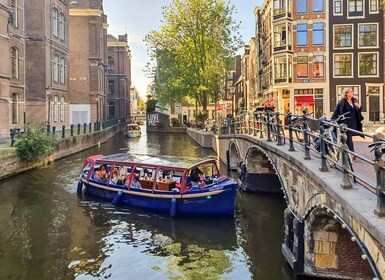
(46, 61)
(12, 81)
(88, 56)
(118, 78)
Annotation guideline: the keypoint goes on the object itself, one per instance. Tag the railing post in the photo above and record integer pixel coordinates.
(291, 142)
(72, 130)
(346, 183)
(379, 167)
(306, 136)
(84, 128)
(279, 136)
(78, 128)
(90, 127)
(260, 124)
(268, 126)
(323, 167)
(63, 131)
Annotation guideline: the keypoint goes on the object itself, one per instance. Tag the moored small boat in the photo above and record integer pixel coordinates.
(174, 185)
(133, 130)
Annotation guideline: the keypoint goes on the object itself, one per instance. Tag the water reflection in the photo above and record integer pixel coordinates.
(48, 232)
(151, 244)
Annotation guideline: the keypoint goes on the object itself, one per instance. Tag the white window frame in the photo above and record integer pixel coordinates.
(358, 36)
(342, 8)
(55, 70)
(55, 14)
(55, 109)
(351, 68)
(370, 6)
(348, 12)
(15, 62)
(334, 34)
(377, 66)
(62, 70)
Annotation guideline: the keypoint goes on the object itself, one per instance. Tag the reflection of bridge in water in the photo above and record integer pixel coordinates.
(333, 225)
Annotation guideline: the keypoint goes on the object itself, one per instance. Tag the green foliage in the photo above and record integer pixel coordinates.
(151, 105)
(191, 52)
(175, 122)
(34, 143)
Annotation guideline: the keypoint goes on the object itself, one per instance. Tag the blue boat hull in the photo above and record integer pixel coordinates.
(216, 200)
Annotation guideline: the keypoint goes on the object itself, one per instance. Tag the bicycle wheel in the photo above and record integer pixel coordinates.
(273, 133)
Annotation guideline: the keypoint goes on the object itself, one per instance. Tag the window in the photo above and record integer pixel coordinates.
(62, 109)
(15, 62)
(62, 26)
(110, 64)
(280, 35)
(302, 34)
(318, 6)
(337, 7)
(318, 33)
(356, 8)
(13, 20)
(367, 35)
(111, 87)
(318, 66)
(62, 70)
(301, 6)
(111, 110)
(343, 65)
(373, 6)
(54, 21)
(280, 68)
(279, 6)
(56, 68)
(15, 108)
(55, 108)
(343, 36)
(367, 64)
(302, 67)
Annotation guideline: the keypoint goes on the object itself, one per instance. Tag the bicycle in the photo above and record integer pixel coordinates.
(299, 132)
(332, 137)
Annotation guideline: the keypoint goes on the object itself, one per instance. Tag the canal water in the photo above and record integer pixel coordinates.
(47, 231)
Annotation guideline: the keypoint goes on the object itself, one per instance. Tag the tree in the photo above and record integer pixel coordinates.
(191, 52)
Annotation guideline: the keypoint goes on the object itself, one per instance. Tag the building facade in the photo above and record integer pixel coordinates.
(356, 42)
(88, 57)
(12, 65)
(46, 62)
(118, 78)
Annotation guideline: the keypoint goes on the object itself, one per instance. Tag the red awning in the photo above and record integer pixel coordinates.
(269, 102)
(304, 100)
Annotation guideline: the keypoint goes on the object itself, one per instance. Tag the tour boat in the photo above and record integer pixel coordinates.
(133, 130)
(164, 184)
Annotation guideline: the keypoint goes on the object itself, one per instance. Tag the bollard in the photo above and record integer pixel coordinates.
(78, 128)
(291, 141)
(323, 167)
(48, 128)
(12, 133)
(85, 128)
(346, 183)
(72, 130)
(63, 131)
(90, 127)
(53, 131)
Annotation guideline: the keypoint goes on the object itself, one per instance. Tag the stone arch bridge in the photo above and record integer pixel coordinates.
(329, 231)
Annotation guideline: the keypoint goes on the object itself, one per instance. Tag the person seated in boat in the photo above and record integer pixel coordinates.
(115, 177)
(197, 177)
(101, 173)
(135, 182)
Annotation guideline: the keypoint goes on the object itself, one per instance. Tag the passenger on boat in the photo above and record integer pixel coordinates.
(196, 177)
(101, 173)
(135, 182)
(115, 177)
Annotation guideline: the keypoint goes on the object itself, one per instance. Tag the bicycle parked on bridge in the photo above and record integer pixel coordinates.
(332, 137)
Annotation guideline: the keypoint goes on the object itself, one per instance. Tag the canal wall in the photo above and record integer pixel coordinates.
(203, 138)
(11, 165)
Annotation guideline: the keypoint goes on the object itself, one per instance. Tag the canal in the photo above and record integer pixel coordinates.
(49, 232)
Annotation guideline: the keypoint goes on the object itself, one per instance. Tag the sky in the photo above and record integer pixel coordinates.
(138, 17)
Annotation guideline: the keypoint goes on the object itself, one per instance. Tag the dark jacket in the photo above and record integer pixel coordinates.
(353, 120)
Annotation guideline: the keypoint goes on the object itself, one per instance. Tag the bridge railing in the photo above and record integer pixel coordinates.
(314, 137)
